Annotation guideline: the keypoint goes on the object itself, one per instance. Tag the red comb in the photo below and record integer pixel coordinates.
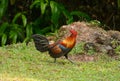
(73, 31)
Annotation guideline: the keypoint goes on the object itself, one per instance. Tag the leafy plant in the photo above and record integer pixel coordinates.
(117, 50)
(53, 15)
(13, 32)
(95, 23)
(43, 17)
(3, 7)
(78, 49)
(81, 15)
(118, 2)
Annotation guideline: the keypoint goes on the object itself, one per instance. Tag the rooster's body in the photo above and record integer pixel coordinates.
(58, 49)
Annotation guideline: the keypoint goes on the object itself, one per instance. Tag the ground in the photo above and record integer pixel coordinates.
(19, 62)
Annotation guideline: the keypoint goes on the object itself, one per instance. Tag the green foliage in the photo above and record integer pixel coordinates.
(4, 39)
(23, 17)
(13, 32)
(118, 1)
(78, 49)
(28, 32)
(12, 2)
(40, 16)
(117, 50)
(81, 15)
(53, 15)
(91, 52)
(95, 23)
(3, 7)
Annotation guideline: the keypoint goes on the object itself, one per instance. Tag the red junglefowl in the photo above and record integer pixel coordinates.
(58, 49)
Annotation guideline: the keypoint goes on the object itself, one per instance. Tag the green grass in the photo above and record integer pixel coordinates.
(23, 63)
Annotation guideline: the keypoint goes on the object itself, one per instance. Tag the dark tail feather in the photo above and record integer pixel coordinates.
(41, 42)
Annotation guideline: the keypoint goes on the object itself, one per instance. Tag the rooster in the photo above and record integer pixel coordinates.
(57, 49)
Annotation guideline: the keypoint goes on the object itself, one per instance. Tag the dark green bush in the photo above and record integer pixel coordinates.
(53, 15)
(21, 19)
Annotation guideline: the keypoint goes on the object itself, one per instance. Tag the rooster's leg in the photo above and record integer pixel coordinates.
(55, 60)
(69, 59)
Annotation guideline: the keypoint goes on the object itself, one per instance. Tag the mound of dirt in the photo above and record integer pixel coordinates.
(93, 36)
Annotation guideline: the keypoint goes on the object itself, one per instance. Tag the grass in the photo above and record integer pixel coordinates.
(19, 62)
